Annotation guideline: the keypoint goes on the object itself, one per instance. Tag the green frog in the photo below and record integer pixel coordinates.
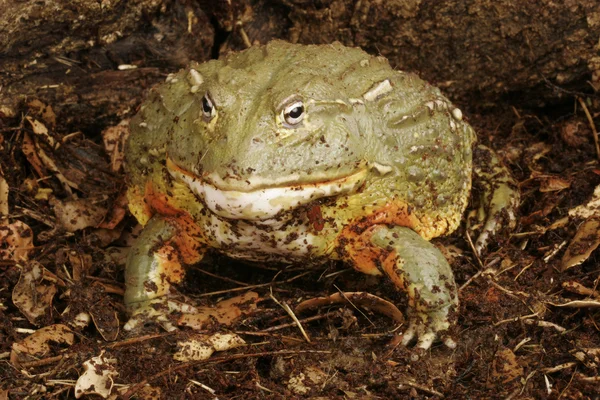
(291, 153)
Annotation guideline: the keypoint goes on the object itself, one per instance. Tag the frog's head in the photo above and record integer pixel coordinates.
(273, 127)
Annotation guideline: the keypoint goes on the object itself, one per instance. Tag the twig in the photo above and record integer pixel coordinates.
(43, 361)
(559, 367)
(253, 286)
(139, 339)
(515, 319)
(592, 125)
(354, 305)
(292, 315)
(422, 388)
(304, 320)
(481, 266)
(223, 278)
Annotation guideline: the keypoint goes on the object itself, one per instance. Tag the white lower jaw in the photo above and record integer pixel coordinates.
(266, 203)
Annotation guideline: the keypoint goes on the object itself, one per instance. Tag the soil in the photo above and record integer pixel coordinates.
(528, 325)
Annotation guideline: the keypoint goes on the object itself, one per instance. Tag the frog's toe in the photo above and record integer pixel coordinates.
(158, 311)
(498, 202)
(501, 216)
(426, 328)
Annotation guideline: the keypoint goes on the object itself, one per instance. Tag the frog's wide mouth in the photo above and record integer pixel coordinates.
(264, 202)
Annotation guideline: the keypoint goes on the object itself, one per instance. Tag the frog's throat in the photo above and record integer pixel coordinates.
(266, 202)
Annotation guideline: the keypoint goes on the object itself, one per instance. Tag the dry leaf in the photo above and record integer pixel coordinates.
(32, 295)
(16, 241)
(97, 377)
(116, 213)
(149, 393)
(224, 312)
(365, 300)
(589, 209)
(505, 366)
(554, 184)
(201, 347)
(585, 241)
(74, 215)
(28, 149)
(106, 321)
(114, 139)
(37, 345)
(3, 197)
(45, 111)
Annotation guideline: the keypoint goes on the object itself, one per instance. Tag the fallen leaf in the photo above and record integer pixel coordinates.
(16, 241)
(553, 184)
(505, 366)
(114, 139)
(106, 321)
(224, 312)
(116, 213)
(363, 299)
(97, 377)
(201, 347)
(32, 295)
(589, 209)
(74, 215)
(585, 241)
(3, 197)
(45, 111)
(28, 149)
(37, 345)
(149, 393)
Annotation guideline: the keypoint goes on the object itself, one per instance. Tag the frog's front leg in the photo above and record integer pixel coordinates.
(417, 267)
(154, 264)
(499, 197)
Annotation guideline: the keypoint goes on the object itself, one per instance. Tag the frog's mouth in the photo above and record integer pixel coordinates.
(265, 202)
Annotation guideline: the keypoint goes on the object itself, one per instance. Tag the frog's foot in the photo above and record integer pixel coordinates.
(416, 266)
(499, 198)
(160, 311)
(427, 327)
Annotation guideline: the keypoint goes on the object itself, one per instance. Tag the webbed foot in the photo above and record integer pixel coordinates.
(427, 327)
(160, 311)
(499, 198)
(418, 267)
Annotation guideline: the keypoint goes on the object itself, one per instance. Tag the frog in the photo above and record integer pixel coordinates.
(304, 154)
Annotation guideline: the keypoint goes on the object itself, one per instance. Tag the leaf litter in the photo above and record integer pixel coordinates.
(528, 324)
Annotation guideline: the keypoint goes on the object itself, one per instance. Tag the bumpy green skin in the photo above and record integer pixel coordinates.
(404, 144)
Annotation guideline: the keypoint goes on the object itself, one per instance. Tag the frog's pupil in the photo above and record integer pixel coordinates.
(206, 106)
(296, 112)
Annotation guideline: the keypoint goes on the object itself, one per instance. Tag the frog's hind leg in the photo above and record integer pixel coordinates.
(499, 197)
(417, 267)
(154, 264)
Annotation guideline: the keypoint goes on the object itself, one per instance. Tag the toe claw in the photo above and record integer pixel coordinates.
(408, 336)
(426, 340)
(449, 342)
(158, 311)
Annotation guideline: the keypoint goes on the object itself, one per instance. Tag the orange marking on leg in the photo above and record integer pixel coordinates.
(392, 269)
(189, 236)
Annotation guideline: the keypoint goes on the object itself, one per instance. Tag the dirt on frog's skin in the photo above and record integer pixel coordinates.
(526, 328)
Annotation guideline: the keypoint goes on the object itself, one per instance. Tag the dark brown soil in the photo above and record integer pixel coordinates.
(527, 328)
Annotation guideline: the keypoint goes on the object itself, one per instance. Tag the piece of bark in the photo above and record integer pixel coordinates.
(481, 52)
(74, 55)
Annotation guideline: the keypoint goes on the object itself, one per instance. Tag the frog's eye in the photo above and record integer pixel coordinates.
(208, 108)
(293, 114)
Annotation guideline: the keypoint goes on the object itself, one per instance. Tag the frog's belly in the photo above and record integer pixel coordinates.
(239, 239)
